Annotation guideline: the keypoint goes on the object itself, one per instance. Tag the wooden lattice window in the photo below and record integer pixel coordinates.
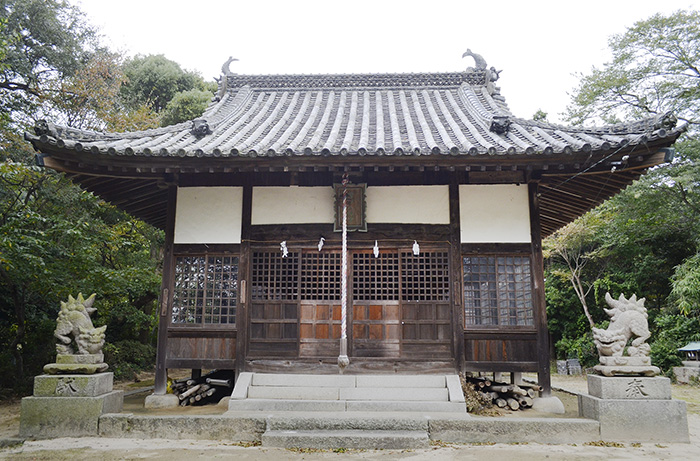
(498, 290)
(320, 276)
(375, 279)
(206, 289)
(274, 277)
(425, 277)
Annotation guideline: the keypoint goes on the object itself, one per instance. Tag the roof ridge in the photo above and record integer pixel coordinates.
(438, 79)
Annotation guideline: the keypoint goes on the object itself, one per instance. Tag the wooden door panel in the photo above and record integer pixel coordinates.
(376, 330)
(320, 330)
(274, 330)
(426, 330)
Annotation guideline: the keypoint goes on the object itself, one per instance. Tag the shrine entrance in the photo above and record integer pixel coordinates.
(398, 304)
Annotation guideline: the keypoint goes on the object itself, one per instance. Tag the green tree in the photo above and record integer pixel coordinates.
(650, 231)
(571, 251)
(154, 80)
(56, 239)
(653, 71)
(46, 40)
(186, 105)
(91, 98)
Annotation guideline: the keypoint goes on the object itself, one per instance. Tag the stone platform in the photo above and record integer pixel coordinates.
(634, 409)
(68, 405)
(328, 430)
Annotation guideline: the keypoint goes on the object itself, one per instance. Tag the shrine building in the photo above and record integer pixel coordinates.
(448, 198)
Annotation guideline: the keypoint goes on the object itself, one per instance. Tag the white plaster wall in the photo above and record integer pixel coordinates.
(408, 204)
(292, 205)
(208, 215)
(494, 213)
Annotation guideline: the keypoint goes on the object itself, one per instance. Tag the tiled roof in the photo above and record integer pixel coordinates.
(458, 114)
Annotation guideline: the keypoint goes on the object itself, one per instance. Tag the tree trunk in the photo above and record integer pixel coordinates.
(20, 314)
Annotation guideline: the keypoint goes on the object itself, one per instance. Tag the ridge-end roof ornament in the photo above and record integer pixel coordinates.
(223, 81)
(479, 61)
(226, 67)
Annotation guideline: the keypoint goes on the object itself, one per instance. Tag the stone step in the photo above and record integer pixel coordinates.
(359, 439)
(360, 381)
(298, 392)
(247, 405)
(295, 380)
(346, 422)
(331, 393)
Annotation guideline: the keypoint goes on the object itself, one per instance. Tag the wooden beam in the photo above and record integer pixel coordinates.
(456, 280)
(244, 296)
(538, 298)
(166, 296)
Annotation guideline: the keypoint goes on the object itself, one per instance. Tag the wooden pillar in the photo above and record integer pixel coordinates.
(538, 295)
(166, 295)
(456, 273)
(243, 281)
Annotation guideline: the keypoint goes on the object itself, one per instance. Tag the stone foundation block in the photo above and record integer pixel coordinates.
(636, 420)
(49, 417)
(161, 401)
(685, 374)
(73, 385)
(629, 387)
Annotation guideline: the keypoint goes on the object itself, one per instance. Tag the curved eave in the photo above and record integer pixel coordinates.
(570, 184)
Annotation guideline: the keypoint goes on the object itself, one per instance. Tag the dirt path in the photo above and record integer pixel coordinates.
(87, 448)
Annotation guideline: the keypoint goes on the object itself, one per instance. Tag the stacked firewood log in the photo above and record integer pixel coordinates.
(504, 395)
(210, 388)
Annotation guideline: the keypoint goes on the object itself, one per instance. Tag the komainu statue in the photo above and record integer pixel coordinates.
(74, 323)
(79, 346)
(622, 346)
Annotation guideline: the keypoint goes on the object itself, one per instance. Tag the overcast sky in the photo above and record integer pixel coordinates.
(539, 45)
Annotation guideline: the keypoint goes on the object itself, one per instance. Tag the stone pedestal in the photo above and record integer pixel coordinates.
(634, 409)
(77, 363)
(626, 366)
(689, 371)
(68, 405)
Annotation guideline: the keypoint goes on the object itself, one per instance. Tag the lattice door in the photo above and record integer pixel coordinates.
(426, 316)
(320, 318)
(274, 317)
(376, 330)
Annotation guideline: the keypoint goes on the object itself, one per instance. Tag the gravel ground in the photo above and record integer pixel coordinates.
(90, 448)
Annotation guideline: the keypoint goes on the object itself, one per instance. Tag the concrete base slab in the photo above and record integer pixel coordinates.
(550, 405)
(628, 420)
(346, 439)
(514, 430)
(202, 427)
(49, 417)
(155, 401)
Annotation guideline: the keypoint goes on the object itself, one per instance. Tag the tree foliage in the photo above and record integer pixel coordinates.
(654, 69)
(56, 239)
(45, 41)
(186, 105)
(154, 81)
(647, 237)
